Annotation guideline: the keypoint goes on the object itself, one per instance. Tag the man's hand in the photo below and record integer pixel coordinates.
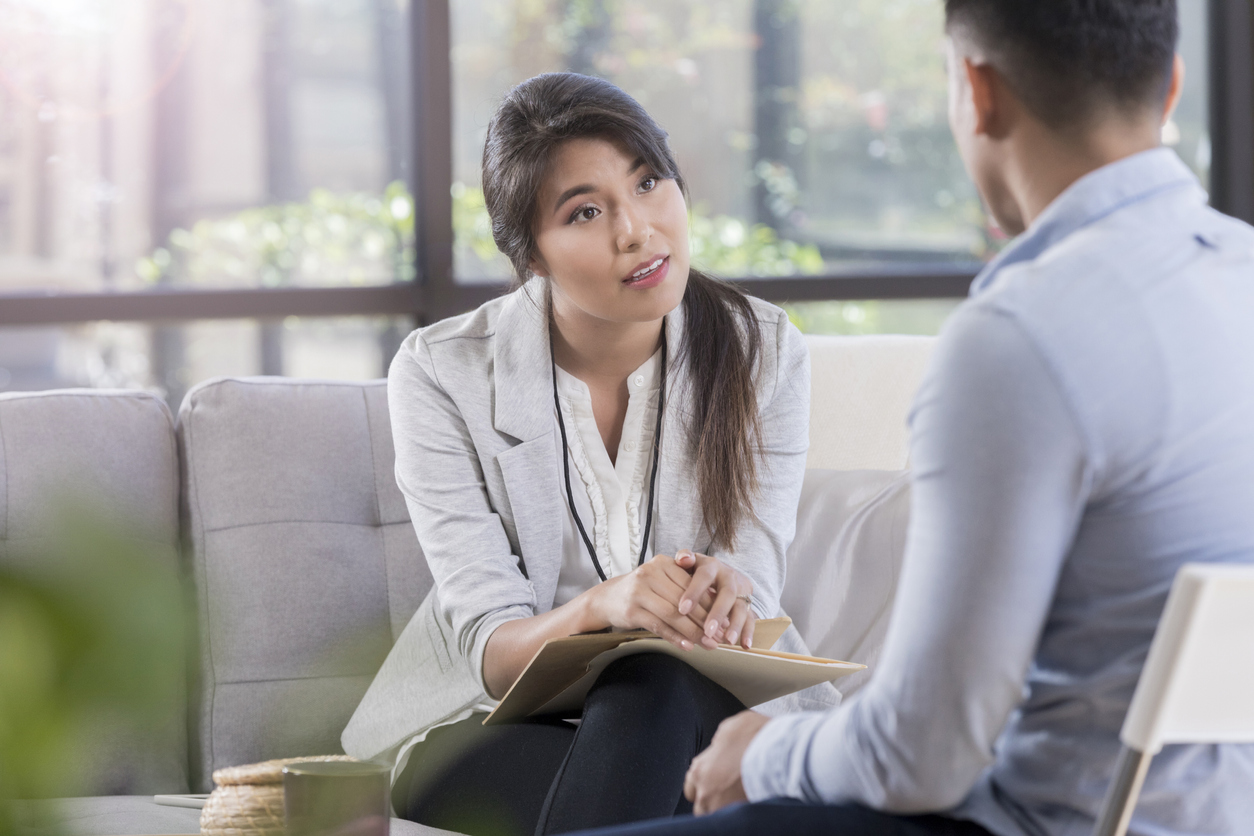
(713, 779)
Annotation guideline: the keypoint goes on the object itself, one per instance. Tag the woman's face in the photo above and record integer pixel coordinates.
(611, 235)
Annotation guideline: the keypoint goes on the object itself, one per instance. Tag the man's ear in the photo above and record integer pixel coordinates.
(987, 94)
(1175, 88)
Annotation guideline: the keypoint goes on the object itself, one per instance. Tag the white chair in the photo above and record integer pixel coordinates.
(1198, 681)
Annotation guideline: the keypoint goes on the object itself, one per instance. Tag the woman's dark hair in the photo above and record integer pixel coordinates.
(722, 338)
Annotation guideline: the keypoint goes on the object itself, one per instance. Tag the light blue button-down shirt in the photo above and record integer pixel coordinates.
(1086, 427)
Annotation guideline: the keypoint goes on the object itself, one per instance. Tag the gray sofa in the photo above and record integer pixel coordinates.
(276, 497)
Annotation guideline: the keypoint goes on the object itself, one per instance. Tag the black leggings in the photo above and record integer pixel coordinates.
(644, 720)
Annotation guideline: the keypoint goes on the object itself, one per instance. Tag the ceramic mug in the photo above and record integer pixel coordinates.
(336, 798)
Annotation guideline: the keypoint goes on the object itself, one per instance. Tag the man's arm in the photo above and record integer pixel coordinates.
(1001, 476)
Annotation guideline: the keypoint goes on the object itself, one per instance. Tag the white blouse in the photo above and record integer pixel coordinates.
(612, 498)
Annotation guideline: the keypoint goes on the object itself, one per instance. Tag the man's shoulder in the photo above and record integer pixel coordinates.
(1118, 258)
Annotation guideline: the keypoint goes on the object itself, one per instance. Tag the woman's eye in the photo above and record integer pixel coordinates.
(585, 213)
(648, 183)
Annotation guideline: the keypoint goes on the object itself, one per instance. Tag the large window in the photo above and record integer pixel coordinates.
(820, 124)
(200, 187)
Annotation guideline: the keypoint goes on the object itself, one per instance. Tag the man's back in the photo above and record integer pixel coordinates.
(1144, 314)
(1086, 427)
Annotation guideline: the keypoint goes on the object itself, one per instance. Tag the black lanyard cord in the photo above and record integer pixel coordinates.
(657, 448)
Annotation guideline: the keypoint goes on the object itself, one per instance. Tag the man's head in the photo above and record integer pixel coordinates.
(1087, 77)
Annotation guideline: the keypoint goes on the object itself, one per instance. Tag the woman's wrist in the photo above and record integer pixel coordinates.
(589, 617)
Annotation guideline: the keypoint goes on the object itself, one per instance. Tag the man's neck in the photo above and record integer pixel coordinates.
(600, 351)
(1045, 164)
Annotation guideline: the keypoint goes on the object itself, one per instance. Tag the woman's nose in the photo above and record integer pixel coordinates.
(633, 230)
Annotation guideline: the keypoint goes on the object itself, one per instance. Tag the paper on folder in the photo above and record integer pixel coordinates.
(562, 672)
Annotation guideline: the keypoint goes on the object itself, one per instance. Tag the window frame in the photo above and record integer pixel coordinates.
(435, 294)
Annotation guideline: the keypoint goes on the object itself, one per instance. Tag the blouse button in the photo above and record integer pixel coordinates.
(629, 446)
(639, 380)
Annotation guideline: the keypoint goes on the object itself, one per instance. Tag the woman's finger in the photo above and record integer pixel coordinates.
(751, 620)
(653, 612)
(717, 621)
(669, 580)
(736, 621)
(704, 577)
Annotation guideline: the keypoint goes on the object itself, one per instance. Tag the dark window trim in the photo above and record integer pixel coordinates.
(183, 305)
(436, 294)
(1231, 47)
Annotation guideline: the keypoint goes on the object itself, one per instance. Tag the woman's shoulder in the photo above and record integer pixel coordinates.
(466, 338)
(772, 319)
(783, 346)
(452, 352)
(475, 326)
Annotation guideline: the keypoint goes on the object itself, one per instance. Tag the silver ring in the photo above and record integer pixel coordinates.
(747, 599)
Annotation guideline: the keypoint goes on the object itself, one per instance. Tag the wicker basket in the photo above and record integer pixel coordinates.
(248, 800)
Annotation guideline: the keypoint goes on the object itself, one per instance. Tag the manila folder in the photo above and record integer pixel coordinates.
(562, 672)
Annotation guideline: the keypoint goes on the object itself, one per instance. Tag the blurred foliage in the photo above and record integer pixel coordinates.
(369, 240)
(730, 247)
(872, 316)
(93, 632)
(722, 245)
(330, 239)
(870, 167)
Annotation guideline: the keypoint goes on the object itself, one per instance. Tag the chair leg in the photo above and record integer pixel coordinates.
(1121, 796)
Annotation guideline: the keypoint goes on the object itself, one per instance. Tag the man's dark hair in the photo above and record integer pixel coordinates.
(1069, 61)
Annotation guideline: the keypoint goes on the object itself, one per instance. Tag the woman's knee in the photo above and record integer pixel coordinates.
(657, 671)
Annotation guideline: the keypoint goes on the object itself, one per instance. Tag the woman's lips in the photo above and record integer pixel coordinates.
(651, 279)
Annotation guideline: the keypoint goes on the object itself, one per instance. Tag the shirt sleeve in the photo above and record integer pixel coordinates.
(477, 576)
(1000, 481)
(762, 543)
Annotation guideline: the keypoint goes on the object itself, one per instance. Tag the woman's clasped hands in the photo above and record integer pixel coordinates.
(688, 599)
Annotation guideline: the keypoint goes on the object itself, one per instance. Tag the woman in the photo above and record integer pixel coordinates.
(618, 405)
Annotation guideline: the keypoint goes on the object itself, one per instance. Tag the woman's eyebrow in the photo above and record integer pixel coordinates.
(572, 192)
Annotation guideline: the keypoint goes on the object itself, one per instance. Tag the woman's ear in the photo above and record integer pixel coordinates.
(538, 267)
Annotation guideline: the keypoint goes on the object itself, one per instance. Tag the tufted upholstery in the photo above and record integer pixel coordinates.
(306, 566)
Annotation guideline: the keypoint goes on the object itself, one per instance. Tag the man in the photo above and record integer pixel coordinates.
(1086, 427)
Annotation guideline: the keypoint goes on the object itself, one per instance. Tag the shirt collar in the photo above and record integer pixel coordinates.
(1093, 197)
(644, 379)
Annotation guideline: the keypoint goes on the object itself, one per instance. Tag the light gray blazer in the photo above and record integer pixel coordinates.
(471, 403)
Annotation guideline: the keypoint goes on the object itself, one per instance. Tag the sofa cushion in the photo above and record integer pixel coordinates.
(861, 390)
(134, 815)
(114, 452)
(844, 564)
(305, 563)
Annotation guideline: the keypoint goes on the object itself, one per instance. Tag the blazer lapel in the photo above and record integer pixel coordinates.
(522, 373)
(521, 366)
(530, 470)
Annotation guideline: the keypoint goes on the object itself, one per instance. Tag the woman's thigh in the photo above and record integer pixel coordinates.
(645, 719)
(483, 780)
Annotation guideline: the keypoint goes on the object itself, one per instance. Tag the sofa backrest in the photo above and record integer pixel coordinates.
(114, 452)
(860, 391)
(305, 564)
